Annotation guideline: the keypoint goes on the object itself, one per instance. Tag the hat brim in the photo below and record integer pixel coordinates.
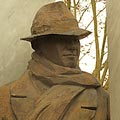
(81, 33)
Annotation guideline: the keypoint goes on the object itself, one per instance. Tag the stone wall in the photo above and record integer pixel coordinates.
(113, 17)
(15, 21)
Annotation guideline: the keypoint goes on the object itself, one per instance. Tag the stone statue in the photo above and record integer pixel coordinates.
(53, 87)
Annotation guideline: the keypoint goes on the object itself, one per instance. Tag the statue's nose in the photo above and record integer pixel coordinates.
(71, 45)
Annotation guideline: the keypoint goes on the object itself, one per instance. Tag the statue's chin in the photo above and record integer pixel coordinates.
(71, 65)
(70, 61)
(66, 61)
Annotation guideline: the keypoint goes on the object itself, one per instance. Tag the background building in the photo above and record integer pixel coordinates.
(113, 17)
(15, 21)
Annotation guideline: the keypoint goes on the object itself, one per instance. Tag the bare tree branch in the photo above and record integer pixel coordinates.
(104, 73)
(86, 51)
(104, 41)
(97, 67)
(97, 15)
(83, 13)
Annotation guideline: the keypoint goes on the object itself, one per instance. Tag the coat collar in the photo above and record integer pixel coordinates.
(43, 69)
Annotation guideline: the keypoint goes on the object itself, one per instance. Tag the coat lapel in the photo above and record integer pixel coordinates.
(53, 104)
(84, 106)
(25, 99)
(23, 96)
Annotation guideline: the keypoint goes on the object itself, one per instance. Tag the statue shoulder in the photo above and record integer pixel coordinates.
(89, 75)
(5, 109)
(5, 90)
(89, 79)
(103, 92)
(99, 88)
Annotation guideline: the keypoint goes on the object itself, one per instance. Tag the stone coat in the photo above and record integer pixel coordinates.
(41, 95)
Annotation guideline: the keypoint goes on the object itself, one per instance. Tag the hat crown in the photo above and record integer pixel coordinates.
(53, 18)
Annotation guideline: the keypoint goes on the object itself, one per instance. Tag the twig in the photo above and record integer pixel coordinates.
(106, 85)
(83, 13)
(77, 2)
(104, 41)
(97, 16)
(74, 8)
(104, 73)
(103, 65)
(87, 51)
(68, 2)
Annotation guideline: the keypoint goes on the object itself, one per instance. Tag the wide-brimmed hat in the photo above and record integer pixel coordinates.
(55, 18)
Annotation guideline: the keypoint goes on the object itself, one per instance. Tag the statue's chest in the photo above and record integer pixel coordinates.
(83, 106)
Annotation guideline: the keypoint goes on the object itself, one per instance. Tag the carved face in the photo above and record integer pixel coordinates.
(61, 50)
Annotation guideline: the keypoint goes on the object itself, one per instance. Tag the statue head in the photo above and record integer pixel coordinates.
(56, 34)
